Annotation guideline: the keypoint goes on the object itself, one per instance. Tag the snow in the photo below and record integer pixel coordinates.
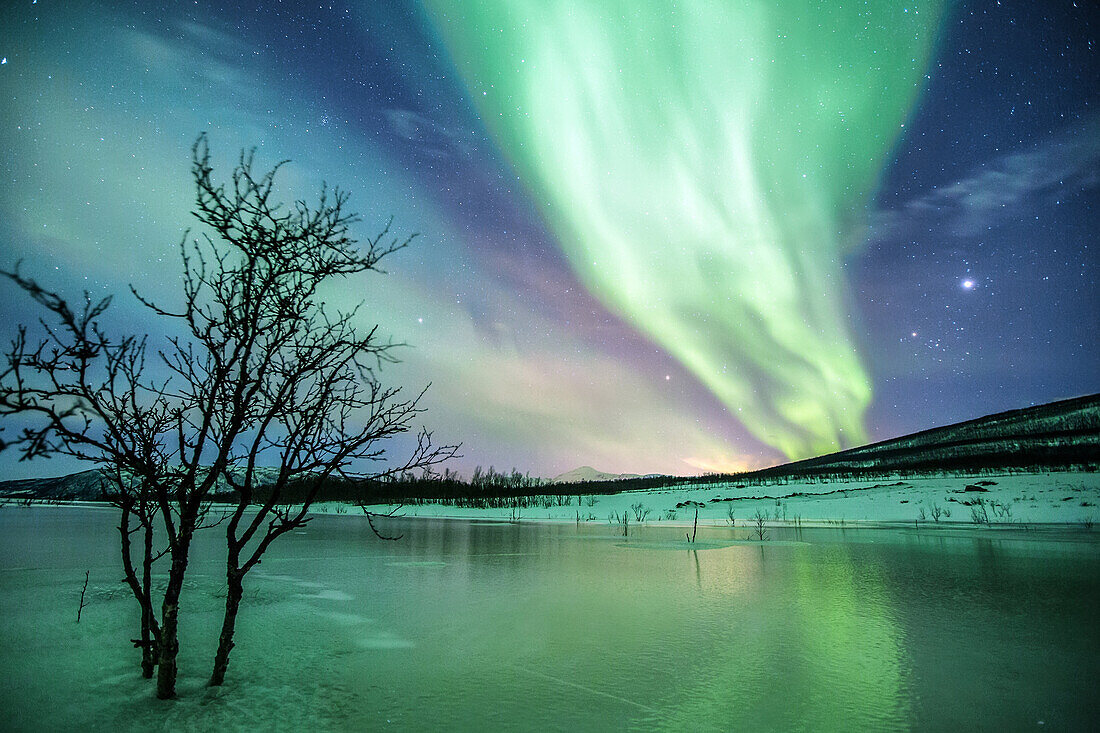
(1032, 498)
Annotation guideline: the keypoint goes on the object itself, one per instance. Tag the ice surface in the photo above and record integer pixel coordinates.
(478, 625)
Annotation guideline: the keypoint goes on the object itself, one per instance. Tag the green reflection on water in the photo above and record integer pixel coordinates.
(537, 627)
(594, 629)
(810, 646)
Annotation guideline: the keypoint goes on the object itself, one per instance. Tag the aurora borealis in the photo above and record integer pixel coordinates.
(660, 237)
(701, 165)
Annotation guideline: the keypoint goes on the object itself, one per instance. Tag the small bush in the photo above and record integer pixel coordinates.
(979, 514)
(1001, 510)
(759, 530)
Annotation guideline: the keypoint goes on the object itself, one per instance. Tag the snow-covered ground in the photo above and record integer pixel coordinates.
(1018, 498)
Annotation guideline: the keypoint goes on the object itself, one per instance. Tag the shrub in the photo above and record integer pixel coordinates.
(759, 529)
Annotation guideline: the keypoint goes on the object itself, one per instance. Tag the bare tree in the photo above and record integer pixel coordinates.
(136, 502)
(83, 394)
(266, 391)
(305, 390)
(760, 528)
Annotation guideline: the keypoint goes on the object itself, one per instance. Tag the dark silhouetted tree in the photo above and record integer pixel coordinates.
(305, 387)
(263, 389)
(83, 394)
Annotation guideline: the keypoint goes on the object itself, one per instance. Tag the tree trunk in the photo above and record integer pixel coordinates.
(169, 622)
(149, 634)
(234, 591)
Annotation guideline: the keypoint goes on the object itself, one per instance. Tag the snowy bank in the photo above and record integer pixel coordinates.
(1019, 498)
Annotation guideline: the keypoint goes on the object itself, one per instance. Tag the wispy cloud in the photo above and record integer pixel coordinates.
(213, 39)
(429, 137)
(1003, 189)
(208, 53)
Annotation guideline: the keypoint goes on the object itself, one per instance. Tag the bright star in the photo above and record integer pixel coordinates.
(968, 284)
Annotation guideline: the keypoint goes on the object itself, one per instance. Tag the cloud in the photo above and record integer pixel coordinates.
(211, 38)
(429, 137)
(1004, 189)
(206, 53)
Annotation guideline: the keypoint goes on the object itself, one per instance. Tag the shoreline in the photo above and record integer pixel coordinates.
(1014, 501)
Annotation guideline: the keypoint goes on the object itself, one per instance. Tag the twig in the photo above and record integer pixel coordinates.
(370, 521)
(82, 591)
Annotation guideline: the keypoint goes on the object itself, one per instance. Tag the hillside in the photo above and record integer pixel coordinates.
(82, 486)
(85, 485)
(587, 473)
(1063, 435)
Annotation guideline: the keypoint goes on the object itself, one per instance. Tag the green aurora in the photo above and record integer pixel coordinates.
(705, 167)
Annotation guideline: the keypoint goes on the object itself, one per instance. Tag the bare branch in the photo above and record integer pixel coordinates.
(370, 520)
(262, 391)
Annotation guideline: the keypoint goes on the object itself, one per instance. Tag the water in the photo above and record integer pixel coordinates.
(478, 626)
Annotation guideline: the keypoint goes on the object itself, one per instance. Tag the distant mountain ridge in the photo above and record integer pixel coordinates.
(587, 473)
(84, 486)
(1056, 436)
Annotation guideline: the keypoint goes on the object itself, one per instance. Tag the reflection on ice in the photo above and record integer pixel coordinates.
(327, 595)
(383, 640)
(568, 627)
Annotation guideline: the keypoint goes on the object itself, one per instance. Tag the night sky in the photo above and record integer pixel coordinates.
(653, 237)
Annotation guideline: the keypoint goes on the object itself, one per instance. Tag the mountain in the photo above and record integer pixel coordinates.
(84, 486)
(587, 473)
(1063, 435)
(1058, 435)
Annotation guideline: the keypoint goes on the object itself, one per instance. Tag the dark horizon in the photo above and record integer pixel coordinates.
(968, 447)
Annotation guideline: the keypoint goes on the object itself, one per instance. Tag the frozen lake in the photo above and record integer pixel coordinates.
(479, 626)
